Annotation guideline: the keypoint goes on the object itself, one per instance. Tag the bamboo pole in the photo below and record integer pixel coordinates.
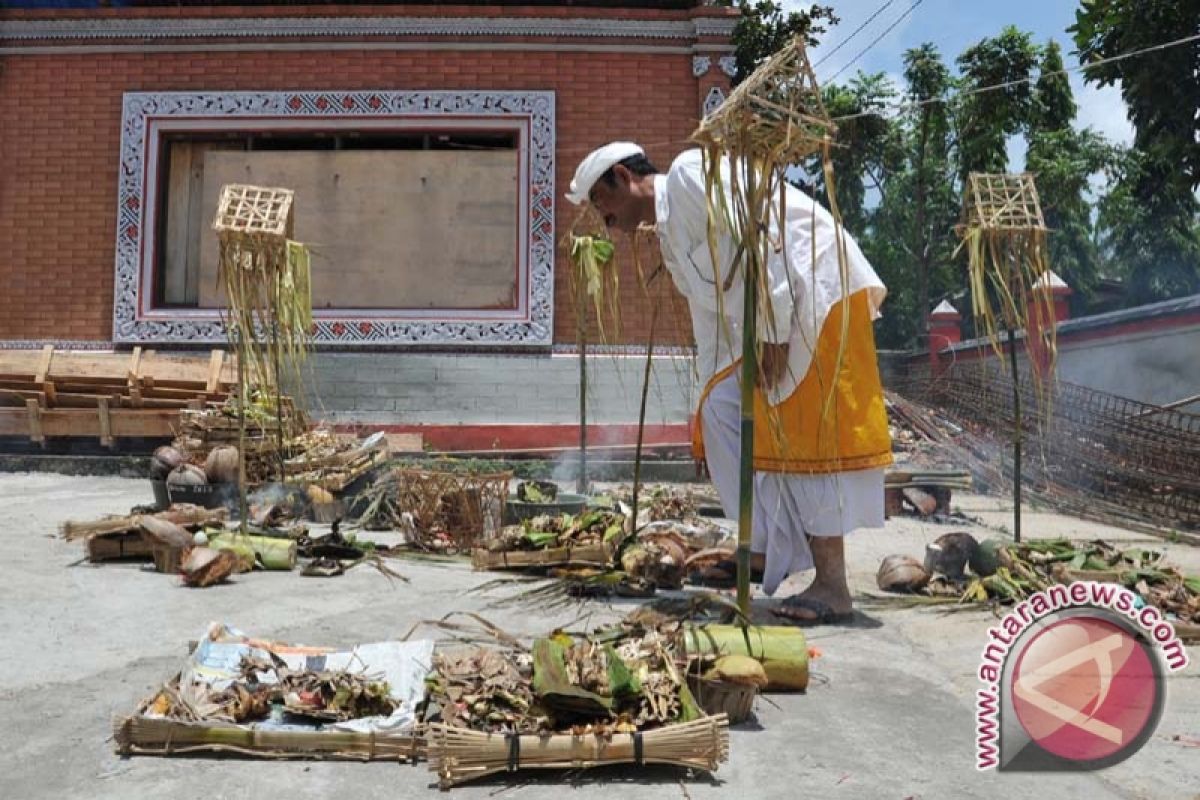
(637, 455)
(749, 379)
(1012, 355)
(581, 484)
(242, 510)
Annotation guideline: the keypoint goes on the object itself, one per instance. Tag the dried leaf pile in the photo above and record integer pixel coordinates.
(485, 689)
(330, 696)
(1008, 572)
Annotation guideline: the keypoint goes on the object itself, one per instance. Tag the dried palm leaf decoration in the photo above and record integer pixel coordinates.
(771, 121)
(267, 283)
(1004, 234)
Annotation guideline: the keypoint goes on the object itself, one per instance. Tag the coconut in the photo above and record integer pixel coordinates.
(742, 670)
(988, 557)
(222, 464)
(165, 459)
(204, 566)
(950, 553)
(901, 574)
(187, 475)
(164, 532)
(318, 495)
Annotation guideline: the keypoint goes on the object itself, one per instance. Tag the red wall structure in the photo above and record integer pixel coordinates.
(61, 112)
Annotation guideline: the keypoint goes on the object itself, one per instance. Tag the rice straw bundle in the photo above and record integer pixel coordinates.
(773, 120)
(143, 735)
(458, 755)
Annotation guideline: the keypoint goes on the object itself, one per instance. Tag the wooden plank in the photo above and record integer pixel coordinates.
(33, 415)
(924, 502)
(17, 397)
(106, 437)
(179, 178)
(165, 368)
(43, 368)
(135, 366)
(214, 369)
(84, 422)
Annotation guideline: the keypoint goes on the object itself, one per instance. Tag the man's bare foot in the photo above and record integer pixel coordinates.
(827, 599)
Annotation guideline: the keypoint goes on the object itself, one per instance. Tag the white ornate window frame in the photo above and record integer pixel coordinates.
(147, 116)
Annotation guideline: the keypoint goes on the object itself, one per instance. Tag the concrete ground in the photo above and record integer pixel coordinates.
(889, 713)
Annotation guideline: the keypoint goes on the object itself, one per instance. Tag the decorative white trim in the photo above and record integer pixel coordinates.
(331, 46)
(326, 27)
(716, 26)
(712, 101)
(728, 65)
(700, 65)
(147, 115)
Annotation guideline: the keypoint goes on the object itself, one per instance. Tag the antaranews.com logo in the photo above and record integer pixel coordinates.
(1073, 680)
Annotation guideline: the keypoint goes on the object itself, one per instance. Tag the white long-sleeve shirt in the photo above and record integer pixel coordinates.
(803, 288)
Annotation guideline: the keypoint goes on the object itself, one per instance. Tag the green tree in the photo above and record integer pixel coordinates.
(865, 149)
(911, 240)
(765, 27)
(1064, 160)
(1150, 214)
(986, 119)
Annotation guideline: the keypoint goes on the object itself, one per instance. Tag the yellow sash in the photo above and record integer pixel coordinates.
(792, 437)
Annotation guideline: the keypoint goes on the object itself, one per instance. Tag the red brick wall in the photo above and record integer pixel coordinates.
(60, 136)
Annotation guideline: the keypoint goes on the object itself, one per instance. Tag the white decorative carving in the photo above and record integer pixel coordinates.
(728, 65)
(715, 26)
(700, 65)
(529, 114)
(324, 27)
(713, 100)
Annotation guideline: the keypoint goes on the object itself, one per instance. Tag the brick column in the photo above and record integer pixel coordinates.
(1046, 308)
(944, 330)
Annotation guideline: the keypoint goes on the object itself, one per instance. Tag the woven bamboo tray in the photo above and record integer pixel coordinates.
(592, 555)
(459, 755)
(154, 736)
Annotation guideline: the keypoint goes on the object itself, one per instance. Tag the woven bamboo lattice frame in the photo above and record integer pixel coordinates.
(1003, 202)
(256, 213)
(466, 507)
(777, 111)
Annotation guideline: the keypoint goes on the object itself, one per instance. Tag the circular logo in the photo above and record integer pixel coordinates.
(1086, 689)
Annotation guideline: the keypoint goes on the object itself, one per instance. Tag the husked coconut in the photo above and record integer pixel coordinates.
(164, 532)
(165, 459)
(949, 554)
(187, 475)
(221, 466)
(901, 574)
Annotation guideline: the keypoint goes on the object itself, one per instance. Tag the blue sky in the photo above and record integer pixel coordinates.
(953, 25)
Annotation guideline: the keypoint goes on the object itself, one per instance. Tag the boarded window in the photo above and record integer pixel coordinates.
(420, 221)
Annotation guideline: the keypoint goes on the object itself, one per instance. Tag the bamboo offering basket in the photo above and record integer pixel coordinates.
(459, 755)
(154, 736)
(468, 507)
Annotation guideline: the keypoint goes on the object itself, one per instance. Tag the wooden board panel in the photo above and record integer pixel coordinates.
(388, 228)
(87, 365)
(86, 422)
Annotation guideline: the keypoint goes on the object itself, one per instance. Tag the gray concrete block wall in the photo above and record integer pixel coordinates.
(1153, 367)
(399, 388)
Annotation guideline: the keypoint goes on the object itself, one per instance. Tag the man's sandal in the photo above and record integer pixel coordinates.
(825, 615)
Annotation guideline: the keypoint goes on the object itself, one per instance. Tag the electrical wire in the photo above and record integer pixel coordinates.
(857, 31)
(877, 39)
